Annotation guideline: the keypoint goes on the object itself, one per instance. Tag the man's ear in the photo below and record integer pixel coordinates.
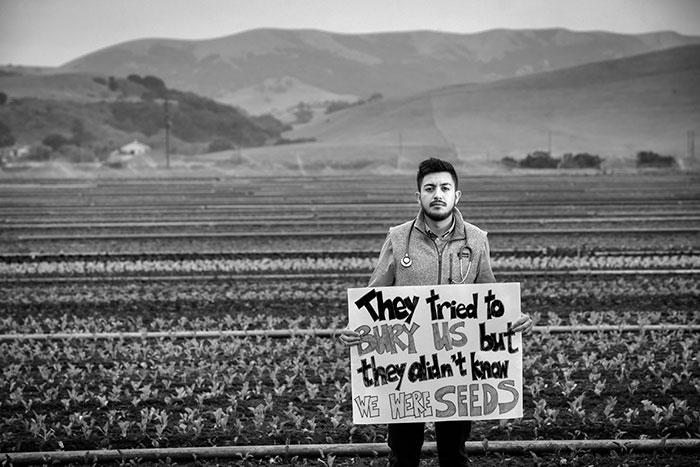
(458, 195)
(418, 197)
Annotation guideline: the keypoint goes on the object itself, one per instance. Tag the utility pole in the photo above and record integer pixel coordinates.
(398, 156)
(691, 145)
(167, 131)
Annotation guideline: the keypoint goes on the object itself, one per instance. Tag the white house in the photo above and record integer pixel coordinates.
(14, 153)
(126, 153)
(135, 148)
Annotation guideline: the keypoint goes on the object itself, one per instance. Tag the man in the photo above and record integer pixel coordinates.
(437, 247)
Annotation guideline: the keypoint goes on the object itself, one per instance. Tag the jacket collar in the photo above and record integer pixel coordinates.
(455, 233)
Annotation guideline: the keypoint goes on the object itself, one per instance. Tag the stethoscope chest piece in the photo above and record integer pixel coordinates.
(406, 261)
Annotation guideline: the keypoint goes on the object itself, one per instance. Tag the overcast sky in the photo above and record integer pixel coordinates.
(53, 32)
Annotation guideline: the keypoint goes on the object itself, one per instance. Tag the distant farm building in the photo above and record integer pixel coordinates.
(135, 148)
(126, 153)
(14, 153)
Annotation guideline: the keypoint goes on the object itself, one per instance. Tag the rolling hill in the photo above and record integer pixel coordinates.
(246, 69)
(613, 108)
(107, 112)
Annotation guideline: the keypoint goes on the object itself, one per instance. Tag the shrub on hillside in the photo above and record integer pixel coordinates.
(269, 124)
(152, 83)
(302, 113)
(539, 160)
(196, 118)
(220, 145)
(510, 162)
(113, 84)
(335, 106)
(144, 117)
(6, 137)
(74, 154)
(80, 134)
(581, 161)
(39, 153)
(281, 141)
(55, 141)
(652, 159)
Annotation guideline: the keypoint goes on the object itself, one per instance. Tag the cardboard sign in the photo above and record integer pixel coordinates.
(436, 353)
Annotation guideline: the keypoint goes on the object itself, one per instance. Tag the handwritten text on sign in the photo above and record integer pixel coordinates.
(434, 353)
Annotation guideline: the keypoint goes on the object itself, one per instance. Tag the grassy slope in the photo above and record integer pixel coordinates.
(73, 87)
(612, 108)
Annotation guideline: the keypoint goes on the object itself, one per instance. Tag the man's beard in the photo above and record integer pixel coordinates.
(437, 216)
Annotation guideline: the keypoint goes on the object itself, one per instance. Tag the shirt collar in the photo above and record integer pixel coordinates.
(447, 233)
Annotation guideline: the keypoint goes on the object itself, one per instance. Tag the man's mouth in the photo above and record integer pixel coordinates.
(437, 203)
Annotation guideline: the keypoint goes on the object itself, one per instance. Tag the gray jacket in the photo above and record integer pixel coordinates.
(429, 266)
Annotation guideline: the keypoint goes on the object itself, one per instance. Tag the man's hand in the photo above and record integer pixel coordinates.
(349, 337)
(523, 324)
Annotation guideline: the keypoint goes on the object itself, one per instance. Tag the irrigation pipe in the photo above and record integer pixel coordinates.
(216, 254)
(323, 450)
(269, 221)
(342, 234)
(286, 333)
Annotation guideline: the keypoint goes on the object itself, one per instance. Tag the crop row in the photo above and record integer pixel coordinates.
(304, 264)
(147, 301)
(115, 394)
(70, 323)
(590, 241)
(290, 292)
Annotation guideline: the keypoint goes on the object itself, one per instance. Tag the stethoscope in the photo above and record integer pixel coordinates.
(464, 252)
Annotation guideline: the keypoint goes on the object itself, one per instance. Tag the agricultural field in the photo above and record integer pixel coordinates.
(201, 313)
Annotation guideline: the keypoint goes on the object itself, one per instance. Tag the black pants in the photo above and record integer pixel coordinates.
(406, 441)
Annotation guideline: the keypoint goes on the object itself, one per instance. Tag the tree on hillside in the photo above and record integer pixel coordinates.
(196, 118)
(145, 117)
(6, 137)
(152, 83)
(303, 113)
(582, 160)
(155, 84)
(539, 160)
(55, 141)
(3, 98)
(80, 134)
(652, 159)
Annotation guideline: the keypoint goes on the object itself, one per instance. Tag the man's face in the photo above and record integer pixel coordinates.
(438, 195)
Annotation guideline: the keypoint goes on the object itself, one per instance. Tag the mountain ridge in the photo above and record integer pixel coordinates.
(230, 69)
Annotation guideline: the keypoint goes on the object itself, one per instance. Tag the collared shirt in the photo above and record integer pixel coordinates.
(440, 240)
(443, 236)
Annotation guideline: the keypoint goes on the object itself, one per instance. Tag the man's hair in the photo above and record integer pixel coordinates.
(433, 165)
